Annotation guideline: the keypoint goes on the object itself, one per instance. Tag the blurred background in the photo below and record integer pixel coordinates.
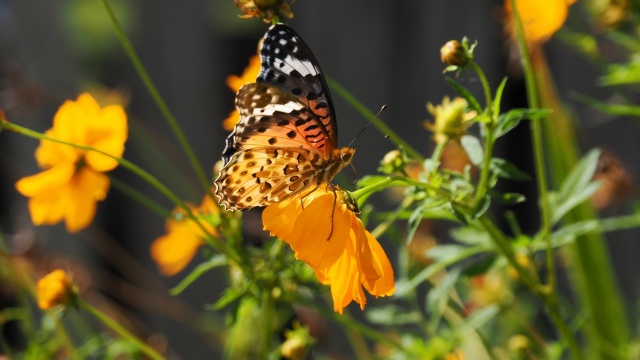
(383, 52)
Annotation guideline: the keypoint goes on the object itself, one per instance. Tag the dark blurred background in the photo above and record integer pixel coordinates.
(384, 52)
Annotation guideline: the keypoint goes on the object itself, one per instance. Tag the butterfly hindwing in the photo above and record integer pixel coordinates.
(263, 176)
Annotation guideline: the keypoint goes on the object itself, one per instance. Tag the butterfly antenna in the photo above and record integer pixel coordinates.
(369, 124)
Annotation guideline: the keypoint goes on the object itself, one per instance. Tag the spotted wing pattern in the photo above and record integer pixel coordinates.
(286, 138)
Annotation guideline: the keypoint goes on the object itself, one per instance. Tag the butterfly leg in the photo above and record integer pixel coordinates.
(307, 194)
(333, 209)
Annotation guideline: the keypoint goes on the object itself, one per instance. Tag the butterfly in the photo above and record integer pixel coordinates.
(287, 139)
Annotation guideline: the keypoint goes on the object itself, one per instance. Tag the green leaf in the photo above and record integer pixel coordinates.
(507, 170)
(404, 286)
(574, 200)
(482, 207)
(498, 98)
(508, 198)
(466, 94)
(230, 295)
(481, 316)
(581, 174)
(621, 74)
(472, 146)
(413, 222)
(438, 297)
(214, 262)
(392, 314)
(480, 267)
(614, 109)
(470, 235)
(510, 119)
(446, 252)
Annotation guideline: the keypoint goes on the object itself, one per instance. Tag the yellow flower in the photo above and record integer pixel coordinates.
(449, 119)
(264, 9)
(323, 231)
(173, 251)
(540, 18)
(55, 289)
(73, 179)
(234, 82)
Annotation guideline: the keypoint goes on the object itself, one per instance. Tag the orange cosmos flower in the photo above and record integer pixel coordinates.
(73, 179)
(323, 231)
(173, 251)
(234, 82)
(540, 18)
(54, 289)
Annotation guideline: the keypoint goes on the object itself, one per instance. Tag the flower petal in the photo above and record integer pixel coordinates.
(173, 251)
(385, 285)
(47, 182)
(107, 133)
(87, 188)
(321, 232)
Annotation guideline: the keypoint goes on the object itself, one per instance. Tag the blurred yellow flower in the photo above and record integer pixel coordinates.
(323, 231)
(234, 82)
(264, 9)
(54, 289)
(450, 119)
(73, 179)
(540, 18)
(173, 251)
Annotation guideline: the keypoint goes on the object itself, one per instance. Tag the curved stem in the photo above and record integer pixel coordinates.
(157, 98)
(143, 174)
(121, 331)
(485, 87)
(538, 150)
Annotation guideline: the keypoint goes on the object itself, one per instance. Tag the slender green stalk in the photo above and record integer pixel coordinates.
(140, 198)
(378, 124)
(437, 152)
(150, 179)
(545, 293)
(157, 98)
(121, 331)
(267, 314)
(485, 87)
(538, 149)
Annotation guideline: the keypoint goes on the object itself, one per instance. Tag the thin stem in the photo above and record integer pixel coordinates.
(150, 179)
(482, 188)
(545, 293)
(485, 87)
(267, 311)
(121, 331)
(437, 152)
(140, 198)
(538, 150)
(157, 98)
(368, 114)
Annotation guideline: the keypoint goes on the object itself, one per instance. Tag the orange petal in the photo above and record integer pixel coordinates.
(230, 122)
(51, 153)
(540, 18)
(107, 133)
(47, 182)
(173, 251)
(280, 218)
(385, 285)
(319, 220)
(89, 186)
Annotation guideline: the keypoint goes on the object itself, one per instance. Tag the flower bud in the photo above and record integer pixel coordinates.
(454, 53)
(297, 343)
(55, 289)
(394, 161)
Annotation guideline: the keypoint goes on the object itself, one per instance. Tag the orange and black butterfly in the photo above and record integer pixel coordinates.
(287, 139)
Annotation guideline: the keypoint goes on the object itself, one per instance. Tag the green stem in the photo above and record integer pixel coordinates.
(150, 179)
(437, 152)
(482, 188)
(157, 98)
(140, 198)
(268, 310)
(485, 87)
(538, 150)
(368, 114)
(121, 331)
(545, 293)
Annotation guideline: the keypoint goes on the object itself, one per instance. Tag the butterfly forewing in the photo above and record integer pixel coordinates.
(288, 63)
